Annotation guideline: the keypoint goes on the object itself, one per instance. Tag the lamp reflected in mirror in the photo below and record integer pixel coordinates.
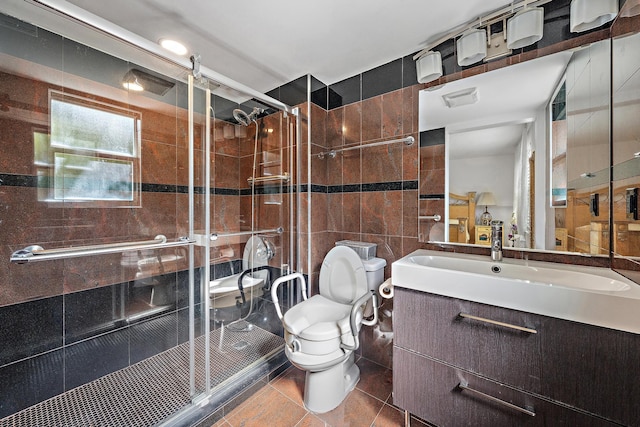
(486, 199)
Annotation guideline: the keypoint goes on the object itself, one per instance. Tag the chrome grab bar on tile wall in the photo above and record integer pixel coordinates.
(35, 253)
(216, 236)
(408, 141)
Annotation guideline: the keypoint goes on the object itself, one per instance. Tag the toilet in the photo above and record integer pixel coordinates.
(321, 332)
(228, 301)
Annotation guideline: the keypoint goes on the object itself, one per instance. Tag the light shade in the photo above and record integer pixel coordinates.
(525, 28)
(630, 8)
(462, 97)
(229, 131)
(429, 67)
(472, 47)
(588, 14)
(486, 199)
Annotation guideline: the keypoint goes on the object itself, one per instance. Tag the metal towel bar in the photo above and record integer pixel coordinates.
(284, 177)
(215, 236)
(35, 253)
(408, 141)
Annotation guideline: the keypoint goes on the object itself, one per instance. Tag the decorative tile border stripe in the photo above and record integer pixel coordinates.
(13, 180)
(431, 196)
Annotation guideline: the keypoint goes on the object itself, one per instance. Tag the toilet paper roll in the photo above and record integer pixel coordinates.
(386, 289)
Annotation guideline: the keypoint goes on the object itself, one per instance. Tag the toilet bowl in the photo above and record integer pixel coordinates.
(228, 294)
(321, 332)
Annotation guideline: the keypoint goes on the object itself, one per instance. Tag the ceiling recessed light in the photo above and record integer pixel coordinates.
(173, 46)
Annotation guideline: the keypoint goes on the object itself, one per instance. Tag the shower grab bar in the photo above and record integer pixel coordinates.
(215, 236)
(284, 177)
(408, 141)
(35, 253)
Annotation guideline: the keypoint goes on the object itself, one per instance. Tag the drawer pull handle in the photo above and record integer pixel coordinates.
(465, 387)
(495, 322)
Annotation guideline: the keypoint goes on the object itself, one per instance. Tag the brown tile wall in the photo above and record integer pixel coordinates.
(387, 218)
(164, 162)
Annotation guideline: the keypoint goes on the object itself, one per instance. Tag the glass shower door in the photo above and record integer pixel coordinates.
(97, 258)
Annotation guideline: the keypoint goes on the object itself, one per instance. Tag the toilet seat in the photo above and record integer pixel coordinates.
(318, 327)
(318, 319)
(342, 276)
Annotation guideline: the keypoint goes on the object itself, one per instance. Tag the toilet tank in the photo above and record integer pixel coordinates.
(374, 267)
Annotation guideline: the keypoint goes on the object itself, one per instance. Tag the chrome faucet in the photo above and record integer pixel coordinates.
(496, 240)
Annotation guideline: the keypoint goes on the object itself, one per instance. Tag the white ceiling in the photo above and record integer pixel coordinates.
(493, 141)
(264, 44)
(506, 95)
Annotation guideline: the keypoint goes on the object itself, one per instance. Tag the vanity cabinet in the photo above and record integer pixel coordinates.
(458, 362)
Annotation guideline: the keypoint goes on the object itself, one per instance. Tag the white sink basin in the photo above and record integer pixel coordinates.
(596, 296)
(535, 273)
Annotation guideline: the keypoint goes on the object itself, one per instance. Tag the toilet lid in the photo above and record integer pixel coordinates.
(255, 254)
(342, 276)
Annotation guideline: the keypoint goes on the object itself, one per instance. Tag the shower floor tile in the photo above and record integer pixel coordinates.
(146, 393)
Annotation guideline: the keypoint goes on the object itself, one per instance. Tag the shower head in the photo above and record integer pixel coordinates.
(244, 118)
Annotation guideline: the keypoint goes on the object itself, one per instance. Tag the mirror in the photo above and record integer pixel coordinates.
(626, 150)
(527, 144)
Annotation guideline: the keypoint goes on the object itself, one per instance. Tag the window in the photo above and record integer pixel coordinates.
(91, 155)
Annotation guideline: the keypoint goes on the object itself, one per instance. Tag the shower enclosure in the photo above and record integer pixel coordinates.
(128, 191)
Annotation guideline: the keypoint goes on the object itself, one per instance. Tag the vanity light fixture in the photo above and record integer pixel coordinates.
(429, 67)
(462, 97)
(229, 131)
(173, 46)
(476, 43)
(588, 14)
(240, 131)
(525, 27)
(471, 47)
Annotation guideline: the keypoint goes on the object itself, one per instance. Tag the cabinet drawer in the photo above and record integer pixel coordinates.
(592, 368)
(432, 325)
(447, 396)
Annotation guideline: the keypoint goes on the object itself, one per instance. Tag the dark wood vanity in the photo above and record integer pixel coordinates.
(462, 363)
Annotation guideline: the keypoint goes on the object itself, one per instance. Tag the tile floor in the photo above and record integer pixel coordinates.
(279, 404)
